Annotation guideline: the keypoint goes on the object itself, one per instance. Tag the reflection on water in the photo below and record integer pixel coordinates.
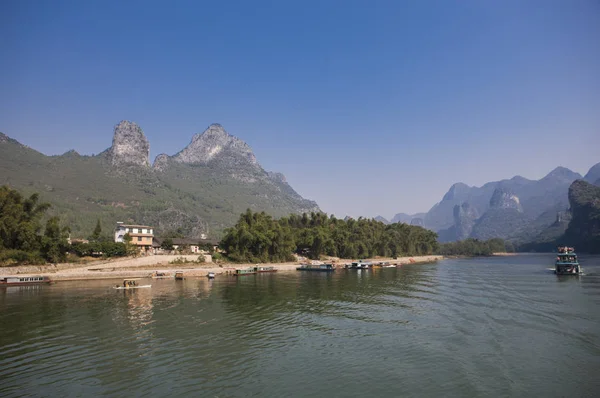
(495, 326)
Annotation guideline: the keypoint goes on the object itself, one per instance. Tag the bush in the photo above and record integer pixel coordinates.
(12, 257)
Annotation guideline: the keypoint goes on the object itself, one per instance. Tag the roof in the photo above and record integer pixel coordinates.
(133, 225)
(185, 241)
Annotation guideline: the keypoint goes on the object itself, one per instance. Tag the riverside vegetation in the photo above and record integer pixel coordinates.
(256, 237)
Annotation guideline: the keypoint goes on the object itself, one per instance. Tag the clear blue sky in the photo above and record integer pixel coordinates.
(368, 107)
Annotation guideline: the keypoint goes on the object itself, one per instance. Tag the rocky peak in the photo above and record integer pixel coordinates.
(456, 191)
(562, 174)
(129, 146)
(216, 144)
(6, 139)
(592, 175)
(503, 198)
(161, 162)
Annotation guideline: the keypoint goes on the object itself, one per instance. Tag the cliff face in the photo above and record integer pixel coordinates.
(465, 217)
(505, 199)
(584, 229)
(129, 146)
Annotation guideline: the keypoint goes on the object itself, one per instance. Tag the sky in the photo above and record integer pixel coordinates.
(368, 107)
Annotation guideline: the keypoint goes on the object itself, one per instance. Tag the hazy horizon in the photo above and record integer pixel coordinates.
(368, 108)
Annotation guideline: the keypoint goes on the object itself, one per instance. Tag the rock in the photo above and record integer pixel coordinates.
(161, 162)
(216, 144)
(503, 198)
(129, 146)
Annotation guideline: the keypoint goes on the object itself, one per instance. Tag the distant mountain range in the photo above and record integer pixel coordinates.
(201, 189)
(517, 209)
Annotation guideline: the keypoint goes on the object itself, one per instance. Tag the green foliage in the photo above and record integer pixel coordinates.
(21, 239)
(14, 257)
(475, 247)
(97, 249)
(257, 237)
(54, 242)
(167, 244)
(97, 231)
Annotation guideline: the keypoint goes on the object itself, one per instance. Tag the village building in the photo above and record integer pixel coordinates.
(141, 235)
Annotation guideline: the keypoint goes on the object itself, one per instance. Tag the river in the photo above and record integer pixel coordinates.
(498, 326)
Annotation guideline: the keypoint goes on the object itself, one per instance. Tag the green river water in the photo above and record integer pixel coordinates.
(500, 326)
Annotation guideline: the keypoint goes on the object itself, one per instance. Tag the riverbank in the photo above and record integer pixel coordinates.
(145, 266)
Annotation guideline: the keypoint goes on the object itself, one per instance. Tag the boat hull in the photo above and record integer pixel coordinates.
(132, 287)
(315, 269)
(25, 283)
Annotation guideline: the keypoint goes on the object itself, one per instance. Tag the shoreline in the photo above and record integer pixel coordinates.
(125, 269)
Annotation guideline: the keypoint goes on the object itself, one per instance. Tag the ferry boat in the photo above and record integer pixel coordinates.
(566, 262)
(260, 270)
(131, 284)
(316, 267)
(24, 280)
(247, 271)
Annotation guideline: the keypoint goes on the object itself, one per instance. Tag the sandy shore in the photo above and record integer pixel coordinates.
(134, 268)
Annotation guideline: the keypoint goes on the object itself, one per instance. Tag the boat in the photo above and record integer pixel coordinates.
(566, 262)
(360, 265)
(247, 271)
(316, 267)
(179, 275)
(24, 280)
(261, 270)
(160, 275)
(210, 275)
(131, 284)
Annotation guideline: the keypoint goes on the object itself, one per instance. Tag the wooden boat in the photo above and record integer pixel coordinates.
(247, 271)
(210, 275)
(566, 262)
(131, 284)
(179, 275)
(160, 275)
(316, 267)
(265, 269)
(24, 280)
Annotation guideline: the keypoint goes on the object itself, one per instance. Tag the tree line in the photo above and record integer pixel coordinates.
(258, 237)
(26, 239)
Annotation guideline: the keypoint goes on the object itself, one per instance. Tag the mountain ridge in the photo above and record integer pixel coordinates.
(192, 192)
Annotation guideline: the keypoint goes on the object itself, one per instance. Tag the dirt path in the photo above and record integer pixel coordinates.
(144, 266)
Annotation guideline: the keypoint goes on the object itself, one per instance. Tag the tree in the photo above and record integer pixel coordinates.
(167, 244)
(54, 241)
(97, 231)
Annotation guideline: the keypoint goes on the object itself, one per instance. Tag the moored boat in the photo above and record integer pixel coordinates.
(179, 275)
(24, 280)
(161, 275)
(566, 262)
(247, 271)
(316, 267)
(210, 275)
(131, 284)
(261, 269)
